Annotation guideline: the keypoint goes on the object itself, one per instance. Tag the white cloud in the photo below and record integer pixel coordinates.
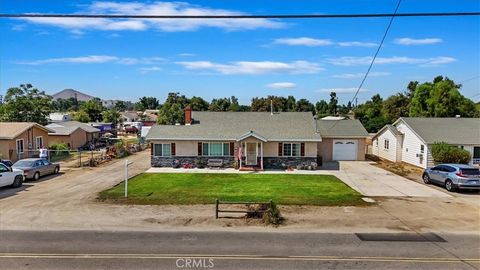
(354, 61)
(357, 44)
(303, 41)
(95, 59)
(360, 75)
(342, 90)
(146, 70)
(259, 67)
(154, 8)
(187, 54)
(412, 41)
(313, 42)
(282, 85)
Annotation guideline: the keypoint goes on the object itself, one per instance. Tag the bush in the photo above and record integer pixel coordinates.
(59, 146)
(272, 216)
(442, 152)
(200, 163)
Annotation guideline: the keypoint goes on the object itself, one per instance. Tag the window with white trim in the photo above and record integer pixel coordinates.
(291, 149)
(162, 149)
(386, 144)
(422, 148)
(376, 142)
(39, 142)
(216, 149)
(19, 145)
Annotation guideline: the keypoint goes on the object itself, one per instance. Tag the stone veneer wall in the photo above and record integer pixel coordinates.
(280, 162)
(168, 161)
(268, 162)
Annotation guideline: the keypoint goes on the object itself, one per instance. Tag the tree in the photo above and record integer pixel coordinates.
(66, 105)
(395, 106)
(198, 104)
(112, 116)
(94, 109)
(220, 105)
(81, 116)
(332, 106)
(321, 108)
(26, 104)
(171, 111)
(370, 114)
(147, 103)
(303, 105)
(120, 106)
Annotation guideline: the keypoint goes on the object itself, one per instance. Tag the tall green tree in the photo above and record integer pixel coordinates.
(370, 114)
(112, 116)
(395, 106)
(303, 105)
(94, 109)
(81, 116)
(171, 111)
(147, 103)
(198, 104)
(333, 104)
(26, 104)
(322, 109)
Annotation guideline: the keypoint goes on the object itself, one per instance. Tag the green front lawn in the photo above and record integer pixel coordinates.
(203, 188)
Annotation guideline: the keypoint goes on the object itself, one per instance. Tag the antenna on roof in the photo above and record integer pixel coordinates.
(271, 107)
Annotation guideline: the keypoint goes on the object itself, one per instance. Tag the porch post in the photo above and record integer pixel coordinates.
(261, 155)
(240, 154)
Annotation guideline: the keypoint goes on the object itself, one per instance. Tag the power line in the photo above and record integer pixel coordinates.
(378, 50)
(469, 79)
(278, 16)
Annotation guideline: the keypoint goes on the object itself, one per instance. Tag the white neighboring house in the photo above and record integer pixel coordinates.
(410, 139)
(59, 117)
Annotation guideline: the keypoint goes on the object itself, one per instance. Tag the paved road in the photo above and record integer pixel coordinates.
(228, 250)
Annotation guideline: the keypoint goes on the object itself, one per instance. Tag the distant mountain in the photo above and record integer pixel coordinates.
(71, 93)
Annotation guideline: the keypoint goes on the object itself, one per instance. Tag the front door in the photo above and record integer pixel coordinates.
(251, 153)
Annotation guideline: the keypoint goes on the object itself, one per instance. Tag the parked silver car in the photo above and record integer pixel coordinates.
(34, 168)
(453, 176)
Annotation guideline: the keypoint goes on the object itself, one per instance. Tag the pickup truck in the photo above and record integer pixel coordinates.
(10, 177)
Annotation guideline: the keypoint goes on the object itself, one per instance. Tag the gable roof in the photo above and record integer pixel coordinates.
(283, 126)
(11, 130)
(450, 130)
(347, 128)
(68, 127)
(391, 128)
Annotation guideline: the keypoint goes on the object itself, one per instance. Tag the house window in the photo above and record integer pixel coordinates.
(422, 149)
(376, 142)
(39, 142)
(19, 146)
(162, 150)
(291, 149)
(216, 149)
(476, 152)
(386, 144)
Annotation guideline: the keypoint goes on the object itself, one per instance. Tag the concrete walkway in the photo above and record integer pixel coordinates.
(362, 176)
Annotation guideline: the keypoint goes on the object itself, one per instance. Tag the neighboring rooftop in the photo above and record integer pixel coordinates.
(281, 126)
(346, 128)
(10, 130)
(450, 130)
(66, 128)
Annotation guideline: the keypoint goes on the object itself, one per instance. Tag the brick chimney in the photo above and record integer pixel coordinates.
(188, 116)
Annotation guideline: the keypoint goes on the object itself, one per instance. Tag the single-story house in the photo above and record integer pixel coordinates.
(22, 139)
(130, 116)
(72, 133)
(410, 139)
(252, 139)
(342, 139)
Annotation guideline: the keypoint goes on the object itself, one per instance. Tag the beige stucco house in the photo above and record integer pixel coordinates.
(254, 140)
(72, 133)
(22, 139)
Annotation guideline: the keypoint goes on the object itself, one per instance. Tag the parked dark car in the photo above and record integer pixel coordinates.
(453, 176)
(6, 162)
(34, 168)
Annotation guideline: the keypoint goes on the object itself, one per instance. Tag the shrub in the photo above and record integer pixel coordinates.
(272, 216)
(59, 146)
(442, 152)
(200, 163)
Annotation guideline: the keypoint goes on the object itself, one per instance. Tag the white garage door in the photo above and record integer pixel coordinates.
(344, 149)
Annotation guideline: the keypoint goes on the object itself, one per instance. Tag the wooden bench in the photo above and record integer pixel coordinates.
(215, 163)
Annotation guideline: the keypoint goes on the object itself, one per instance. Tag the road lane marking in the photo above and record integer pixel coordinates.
(238, 257)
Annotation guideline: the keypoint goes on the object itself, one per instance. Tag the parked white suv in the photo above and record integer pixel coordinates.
(10, 177)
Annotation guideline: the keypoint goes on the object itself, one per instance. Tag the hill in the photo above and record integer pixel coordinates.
(71, 93)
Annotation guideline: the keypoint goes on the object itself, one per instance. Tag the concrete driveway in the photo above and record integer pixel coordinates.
(373, 181)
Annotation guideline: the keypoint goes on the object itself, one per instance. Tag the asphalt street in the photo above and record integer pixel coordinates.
(235, 250)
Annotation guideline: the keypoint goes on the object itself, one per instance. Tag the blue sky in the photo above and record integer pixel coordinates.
(127, 59)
